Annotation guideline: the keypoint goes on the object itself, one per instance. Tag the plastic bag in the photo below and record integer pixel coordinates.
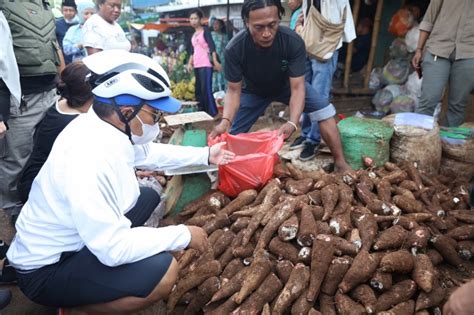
(159, 212)
(411, 39)
(413, 86)
(384, 97)
(256, 156)
(376, 79)
(398, 49)
(403, 104)
(396, 71)
(402, 21)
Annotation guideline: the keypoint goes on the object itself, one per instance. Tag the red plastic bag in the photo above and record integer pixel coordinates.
(252, 167)
(402, 21)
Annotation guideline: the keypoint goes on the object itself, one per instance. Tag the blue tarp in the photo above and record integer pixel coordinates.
(141, 4)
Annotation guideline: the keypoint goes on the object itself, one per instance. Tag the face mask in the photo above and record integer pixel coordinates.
(149, 133)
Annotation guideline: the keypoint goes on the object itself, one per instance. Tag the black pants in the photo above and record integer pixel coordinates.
(79, 278)
(204, 90)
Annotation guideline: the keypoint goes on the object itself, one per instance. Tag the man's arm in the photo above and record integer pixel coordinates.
(232, 104)
(297, 102)
(418, 57)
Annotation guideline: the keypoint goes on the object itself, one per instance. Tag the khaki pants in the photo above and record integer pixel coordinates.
(16, 147)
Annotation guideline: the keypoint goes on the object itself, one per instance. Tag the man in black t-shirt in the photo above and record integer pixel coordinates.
(265, 63)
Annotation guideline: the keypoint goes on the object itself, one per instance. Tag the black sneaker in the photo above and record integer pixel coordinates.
(309, 151)
(5, 298)
(298, 143)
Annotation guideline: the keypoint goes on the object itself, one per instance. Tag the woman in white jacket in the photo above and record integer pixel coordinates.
(80, 243)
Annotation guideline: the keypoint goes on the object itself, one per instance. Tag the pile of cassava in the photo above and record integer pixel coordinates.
(383, 241)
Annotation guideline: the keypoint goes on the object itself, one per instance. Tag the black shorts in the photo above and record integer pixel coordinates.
(79, 278)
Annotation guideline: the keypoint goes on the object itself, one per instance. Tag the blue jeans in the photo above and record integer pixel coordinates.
(253, 106)
(320, 75)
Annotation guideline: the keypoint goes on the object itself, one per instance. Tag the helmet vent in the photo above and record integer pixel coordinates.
(159, 76)
(148, 83)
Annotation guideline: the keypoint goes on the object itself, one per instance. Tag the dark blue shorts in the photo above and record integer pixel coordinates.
(79, 278)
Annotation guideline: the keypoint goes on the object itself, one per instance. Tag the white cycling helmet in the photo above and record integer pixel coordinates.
(123, 78)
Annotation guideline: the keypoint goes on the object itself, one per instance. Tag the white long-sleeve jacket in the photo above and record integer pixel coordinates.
(82, 192)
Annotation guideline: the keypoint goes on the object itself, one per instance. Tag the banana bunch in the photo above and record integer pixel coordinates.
(184, 90)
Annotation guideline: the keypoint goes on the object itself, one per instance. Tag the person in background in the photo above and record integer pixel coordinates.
(73, 47)
(160, 44)
(102, 32)
(38, 71)
(361, 48)
(335, 12)
(220, 38)
(76, 98)
(203, 59)
(295, 7)
(266, 62)
(9, 88)
(445, 54)
(70, 18)
(461, 301)
(82, 245)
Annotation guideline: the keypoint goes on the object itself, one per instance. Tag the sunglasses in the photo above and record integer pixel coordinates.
(156, 115)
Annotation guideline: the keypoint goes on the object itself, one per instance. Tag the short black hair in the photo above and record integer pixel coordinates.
(197, 12)
(251, 5)
(103, 110)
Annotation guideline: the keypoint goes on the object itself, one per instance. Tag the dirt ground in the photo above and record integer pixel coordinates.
(345, 105)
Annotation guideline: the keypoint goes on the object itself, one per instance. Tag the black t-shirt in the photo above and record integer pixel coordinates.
(265, 71)
(46, 133)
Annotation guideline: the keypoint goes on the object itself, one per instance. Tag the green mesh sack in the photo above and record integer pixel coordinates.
(365, 137)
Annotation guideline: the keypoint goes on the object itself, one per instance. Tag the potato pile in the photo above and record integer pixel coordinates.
(371, 241)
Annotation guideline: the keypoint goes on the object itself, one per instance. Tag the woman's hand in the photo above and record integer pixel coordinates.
(189, 67)
(218, 155)
(198, 239)
(217, 67)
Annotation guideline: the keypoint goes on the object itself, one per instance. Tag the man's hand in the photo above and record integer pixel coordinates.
(3, 129)
(287, 130)
(461, 301)
(222, 127)
(219, 156)
(198, 239)
(417, 59)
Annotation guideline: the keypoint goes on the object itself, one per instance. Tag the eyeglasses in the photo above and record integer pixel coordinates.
(156, 115)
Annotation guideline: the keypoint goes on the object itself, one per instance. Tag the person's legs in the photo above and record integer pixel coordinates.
(79, 280)
(251, 107)
(132, 304)
(147, 202)
(305, 121)
(435, 75)
(198, 87)
(210, 102)
(461, 83)
(322, 112)
(17, 145)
